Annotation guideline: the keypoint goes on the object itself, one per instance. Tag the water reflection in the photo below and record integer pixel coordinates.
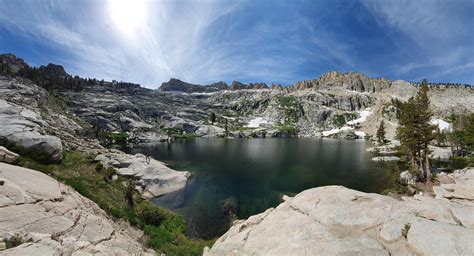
(247, 176)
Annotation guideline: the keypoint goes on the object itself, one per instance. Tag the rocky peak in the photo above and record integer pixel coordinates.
(258, 86)
(329, 76)
(176, 85)
(221, 85)
(179, 86)
(305, 84)
(54, 70)
(236, 85)
(277, 87)
(11, 63)
(352, 81)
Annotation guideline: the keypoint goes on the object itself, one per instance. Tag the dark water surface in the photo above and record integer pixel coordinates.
(241, 177)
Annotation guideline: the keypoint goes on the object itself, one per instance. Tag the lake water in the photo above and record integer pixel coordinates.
(236, 178)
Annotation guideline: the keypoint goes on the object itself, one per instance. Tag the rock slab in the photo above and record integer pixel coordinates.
(53, 219)
(335, 220)
(155, 178)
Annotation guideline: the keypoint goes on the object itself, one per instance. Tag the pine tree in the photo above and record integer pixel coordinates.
(226, 128)
(212, 117)
(416, 131)
(381, 133)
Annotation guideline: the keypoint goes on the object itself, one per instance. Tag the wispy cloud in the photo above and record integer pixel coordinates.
(203, 41)
(441, 32)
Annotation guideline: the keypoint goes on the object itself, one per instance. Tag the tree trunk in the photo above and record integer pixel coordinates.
(427, 169)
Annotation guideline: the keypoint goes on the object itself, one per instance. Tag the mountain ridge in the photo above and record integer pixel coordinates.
(11, 63)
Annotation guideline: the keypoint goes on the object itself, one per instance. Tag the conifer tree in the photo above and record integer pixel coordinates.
(415, 131)
(212, 117)
(381, 133)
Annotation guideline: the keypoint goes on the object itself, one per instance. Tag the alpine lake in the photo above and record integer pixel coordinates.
(236, 178)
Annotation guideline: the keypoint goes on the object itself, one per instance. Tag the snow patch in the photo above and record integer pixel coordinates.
(335, 131)
(360, 134)
(203, 93)
(256, 122)
(442, 125)
(228, 117)
(363, 114)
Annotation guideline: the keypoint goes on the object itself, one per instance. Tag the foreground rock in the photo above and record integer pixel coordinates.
(53, 219)
(155, 178)
(25, 128)
(334, 220)
(462, 187)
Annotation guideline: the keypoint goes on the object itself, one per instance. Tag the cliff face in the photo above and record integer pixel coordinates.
(334, 220)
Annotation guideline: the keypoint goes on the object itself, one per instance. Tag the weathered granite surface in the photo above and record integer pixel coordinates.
(53, 219)
(335, 220)
(154, 177)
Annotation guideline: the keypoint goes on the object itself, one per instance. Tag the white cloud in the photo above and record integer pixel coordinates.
(441, 39)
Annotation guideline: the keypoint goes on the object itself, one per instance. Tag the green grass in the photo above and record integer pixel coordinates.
(287, 128)
(291, 107)
(79, 171)
(185, 136)
(14, 241)
(166, 230)
(288, 101)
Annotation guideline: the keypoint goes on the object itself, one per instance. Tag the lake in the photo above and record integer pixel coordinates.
(236, 178)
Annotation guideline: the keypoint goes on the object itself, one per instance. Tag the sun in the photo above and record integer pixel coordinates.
(129, 16)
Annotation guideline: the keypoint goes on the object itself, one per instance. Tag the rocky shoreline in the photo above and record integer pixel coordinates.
(335, 220)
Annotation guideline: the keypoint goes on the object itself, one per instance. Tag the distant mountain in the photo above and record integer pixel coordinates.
(176, 85)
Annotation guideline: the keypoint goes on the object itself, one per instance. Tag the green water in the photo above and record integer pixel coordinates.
(241, 177)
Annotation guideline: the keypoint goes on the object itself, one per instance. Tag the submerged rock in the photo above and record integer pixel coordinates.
(51, 218)
(155, 178)
(334, 220)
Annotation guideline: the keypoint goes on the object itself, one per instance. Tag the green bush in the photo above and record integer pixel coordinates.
(405, 229)
(14, 241)
(158, 236)
(109, 172)
(99, 167)
(150, 214)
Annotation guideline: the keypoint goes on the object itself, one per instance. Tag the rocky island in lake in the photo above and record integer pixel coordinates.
(293, 159)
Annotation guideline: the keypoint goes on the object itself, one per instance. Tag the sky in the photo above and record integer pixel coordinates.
(274, 41)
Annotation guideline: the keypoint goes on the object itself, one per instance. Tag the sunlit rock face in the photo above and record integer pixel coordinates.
(53, 219)
(334, 220)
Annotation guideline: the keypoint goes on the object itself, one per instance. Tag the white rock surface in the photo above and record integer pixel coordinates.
(440, 153)
(334, 220)
(7, 156)
(25, 128)
(209, 131)
(53, 219)
(462, 188)
(155, 178)
(385, 158)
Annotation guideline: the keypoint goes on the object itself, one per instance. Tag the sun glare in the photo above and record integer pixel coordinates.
(128, 15)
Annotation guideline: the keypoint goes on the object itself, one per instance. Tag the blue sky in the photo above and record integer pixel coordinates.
(277, 41)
